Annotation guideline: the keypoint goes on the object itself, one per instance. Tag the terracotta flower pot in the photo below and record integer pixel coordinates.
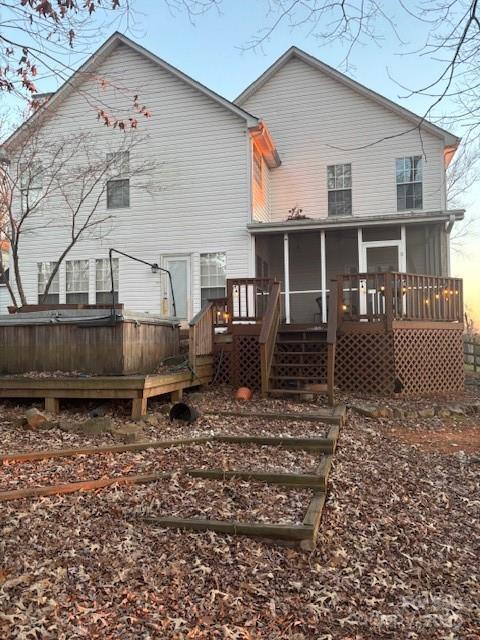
(243, 393)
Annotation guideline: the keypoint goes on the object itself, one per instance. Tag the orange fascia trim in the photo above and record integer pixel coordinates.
(265, 144)
(448, 154)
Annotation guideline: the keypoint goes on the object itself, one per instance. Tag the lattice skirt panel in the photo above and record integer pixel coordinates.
(429, 360)
(239, 363)
(364, 363)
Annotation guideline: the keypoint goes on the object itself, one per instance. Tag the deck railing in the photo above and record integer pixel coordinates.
(201, 334)
(247, 298)
(375, 297)
(268, 335)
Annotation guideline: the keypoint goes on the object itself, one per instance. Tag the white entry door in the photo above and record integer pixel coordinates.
(180, 270)
(377, 258)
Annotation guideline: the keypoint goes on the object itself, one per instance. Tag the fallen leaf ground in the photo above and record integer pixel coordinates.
(397, 555)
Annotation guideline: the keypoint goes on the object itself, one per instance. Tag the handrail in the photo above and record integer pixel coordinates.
(332, 325)
(268, 335)
(385, 297)
(200, 334)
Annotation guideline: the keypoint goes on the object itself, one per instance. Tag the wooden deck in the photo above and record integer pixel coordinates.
(137, 388)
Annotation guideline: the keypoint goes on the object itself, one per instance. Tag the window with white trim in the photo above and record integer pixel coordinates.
(44, 271)
(213, 268)
(339, 185)
(31, 183)
(257, 166)
(409, 172)
(77, 281)
(103, 287)
(118, 186)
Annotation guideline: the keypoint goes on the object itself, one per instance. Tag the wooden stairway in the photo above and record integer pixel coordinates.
(293, 358)
(299, 361)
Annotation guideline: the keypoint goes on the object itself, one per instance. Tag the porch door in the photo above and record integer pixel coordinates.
(180, 269)
(378, 258)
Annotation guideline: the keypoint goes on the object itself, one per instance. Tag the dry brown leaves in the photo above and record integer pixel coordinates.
(397, 555)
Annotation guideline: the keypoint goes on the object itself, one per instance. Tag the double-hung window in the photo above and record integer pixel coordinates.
(339, 185)
(212, 275)
(44, 271)
(118, 186)
(409, 172)
(77, 281)
(104, 280)
(31, 183)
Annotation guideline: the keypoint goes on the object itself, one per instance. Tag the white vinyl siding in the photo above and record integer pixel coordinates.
(198, 198)
(315, 122)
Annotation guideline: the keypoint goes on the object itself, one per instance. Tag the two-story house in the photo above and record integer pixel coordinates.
(307, 178)
(368, 175)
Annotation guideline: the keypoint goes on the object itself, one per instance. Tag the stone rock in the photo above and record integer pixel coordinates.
(411, 415)
(428, 412)
(99, 411)
(194, 397)
(128, 433)
(35, 418)
(165, 409)
(372, 411)
(442, 412)
(151, 419)
(95, 426)
(456, 410)
(399, 413)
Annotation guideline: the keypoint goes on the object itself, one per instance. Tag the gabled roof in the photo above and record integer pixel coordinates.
(450, 140)
(107, 48)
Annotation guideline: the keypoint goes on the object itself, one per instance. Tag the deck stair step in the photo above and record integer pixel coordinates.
(289, 390)
(298, 361)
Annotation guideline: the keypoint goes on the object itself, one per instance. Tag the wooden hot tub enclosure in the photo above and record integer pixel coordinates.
(386, 333)
(89, 341)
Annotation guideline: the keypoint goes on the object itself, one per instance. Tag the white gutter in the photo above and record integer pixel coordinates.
(355, 221)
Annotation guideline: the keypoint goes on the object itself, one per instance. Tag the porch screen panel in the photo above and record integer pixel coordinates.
(305, 277)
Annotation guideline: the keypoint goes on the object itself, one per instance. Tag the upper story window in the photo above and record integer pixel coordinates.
(409, 183)
(212, 275)
(257, 166)
(77, 281)
(44, 271)
(339, 184)
(103, 287)
(118, 186)
(31, 183)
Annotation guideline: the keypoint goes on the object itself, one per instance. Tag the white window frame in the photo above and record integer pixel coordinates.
(116, 277)
(210, 286)
(407, 182)
(55, 282)
(119, 165)
(339, 188)
(77, 291)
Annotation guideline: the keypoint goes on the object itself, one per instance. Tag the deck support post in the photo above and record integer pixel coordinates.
(139, 408)
(286, 270)
(177, 395)
(52, 405)
(323, 276)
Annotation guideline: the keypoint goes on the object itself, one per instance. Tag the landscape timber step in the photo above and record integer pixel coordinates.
(328, 415)
(325, 445)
